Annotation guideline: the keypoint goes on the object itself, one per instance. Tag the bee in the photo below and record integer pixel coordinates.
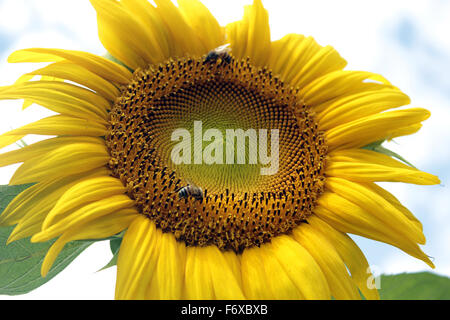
(191, 190)
(221, 53)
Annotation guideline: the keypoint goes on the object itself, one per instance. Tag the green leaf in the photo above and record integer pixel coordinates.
(415, 286)
(114, 244)
(377, 147)
(20, 261)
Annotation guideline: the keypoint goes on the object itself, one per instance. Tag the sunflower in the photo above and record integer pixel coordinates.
(107, 167)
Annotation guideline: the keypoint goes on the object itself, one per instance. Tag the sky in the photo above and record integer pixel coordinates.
(405, 41)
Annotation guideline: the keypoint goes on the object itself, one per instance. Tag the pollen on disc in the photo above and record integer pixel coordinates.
(241, 207)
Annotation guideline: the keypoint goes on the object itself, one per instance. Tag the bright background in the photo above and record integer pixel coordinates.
(405, 41)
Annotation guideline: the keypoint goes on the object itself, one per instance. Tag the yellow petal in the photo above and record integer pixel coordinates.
(335, 84)
(67, 160)
(37, 197)
(202, 23)
(290, 54)
(84, 214)
(197, 286)
(22, 79)
(101, 66)
(351, 255)
(29, 210)
(184, 39)
(250, 37)
(137, 260)
(8, 139)
(82, 193)
(369, 166)
(264, 278)
(329, 261)
(381, 126)
(57, 126)
(209, 276)
(377, 206)
(301, 268)
(155, 28)
(323, 62)
(124, 36)
(41, 148)
(353, 107)
(168, 277)
(234, 261)
(73, 72)
(350, 218)
(60, 97)
(395, 202)
(100, 228)
(226, 285)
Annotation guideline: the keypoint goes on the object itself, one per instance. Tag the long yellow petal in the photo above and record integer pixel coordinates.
(137, 260)
(347, 217)
(168, 278)
(60, 97)
(197, 285)
(86, 191)
(31, 209)
(7, 217)
(100, 228)
(184, 38)
(208, 276)
(323, 62)
(255, 285)
(350, 253)
(381, 126)
(377, 206)
(250, 37)
(369, 166)
(40, 195)
(263, 277)
(8, 139)
(25, 78)
(73, 72)
(353, 107)
(153, 23)
(203, 23)
(40, 148)
(67, 160)
(124, 36)
(301, 268)
(329, 261)
(86, 214)
(290, 54)
(56, 126)
(395, 202)
(234, 261)
(101, 66)
(334, 84)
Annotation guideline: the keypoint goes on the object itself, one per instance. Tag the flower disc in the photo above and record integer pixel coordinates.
(241, 207)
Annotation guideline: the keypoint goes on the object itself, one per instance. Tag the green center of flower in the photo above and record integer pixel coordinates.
(217, 151)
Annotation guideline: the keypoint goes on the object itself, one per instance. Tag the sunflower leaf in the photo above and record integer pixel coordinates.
(115, 246)
(20, 261)
(377, 147)
(414, 286)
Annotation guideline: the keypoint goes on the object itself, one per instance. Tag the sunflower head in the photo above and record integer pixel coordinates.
(236, 164)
